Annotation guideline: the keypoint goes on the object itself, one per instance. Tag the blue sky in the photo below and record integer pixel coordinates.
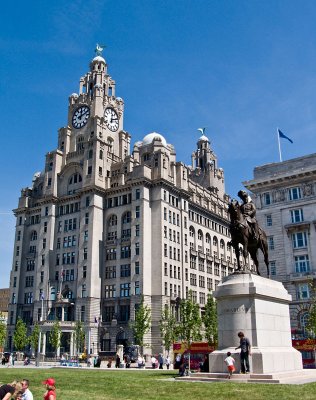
(239, 68)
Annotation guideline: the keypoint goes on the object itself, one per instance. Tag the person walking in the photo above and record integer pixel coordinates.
(27, 394)
(168, 361)
(245, 352)
(50, 393)
(230, 362)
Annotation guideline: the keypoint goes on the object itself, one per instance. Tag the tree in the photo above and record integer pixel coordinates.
(210, 321)
(80, 336)
(142, 322)
(168, 328)
(34, 337)
(3, 331)
(189, 328)
(311, 322)
(20, 339)
(55, 336)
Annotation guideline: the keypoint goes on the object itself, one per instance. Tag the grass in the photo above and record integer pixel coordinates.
(147, 385)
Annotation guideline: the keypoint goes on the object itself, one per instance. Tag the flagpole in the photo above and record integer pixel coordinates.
(279, 145)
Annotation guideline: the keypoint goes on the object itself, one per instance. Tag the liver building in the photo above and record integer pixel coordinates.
(102, 227)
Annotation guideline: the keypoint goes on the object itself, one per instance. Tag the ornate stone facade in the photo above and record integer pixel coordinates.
(100, 227)
(286, 202)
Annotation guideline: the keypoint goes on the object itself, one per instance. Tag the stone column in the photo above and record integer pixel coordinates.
(72, 344)
(44, 343)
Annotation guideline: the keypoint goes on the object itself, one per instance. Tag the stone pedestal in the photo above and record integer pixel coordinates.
(259, 307)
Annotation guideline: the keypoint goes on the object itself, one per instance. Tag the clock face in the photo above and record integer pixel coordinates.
(111, 119)
(80, 117)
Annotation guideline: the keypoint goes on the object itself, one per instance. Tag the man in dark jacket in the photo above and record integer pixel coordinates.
(245, 352)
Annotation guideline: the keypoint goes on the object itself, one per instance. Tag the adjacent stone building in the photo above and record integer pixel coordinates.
(100, 227)
(285, 196)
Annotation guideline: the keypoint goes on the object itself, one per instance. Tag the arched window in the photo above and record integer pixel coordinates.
(215, 241)
(33, 235)
(303, 322)
(126, 218)
(192, 232)
(75, 178)
(222, 244)
(110, 143)
(200, 234)
(112, 221)
(101, 154)
(207, 238)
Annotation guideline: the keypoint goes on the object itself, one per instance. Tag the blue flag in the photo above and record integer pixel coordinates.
(281, 135)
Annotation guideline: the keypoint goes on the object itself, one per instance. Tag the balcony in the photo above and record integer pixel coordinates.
(297, 226)
(302, 276)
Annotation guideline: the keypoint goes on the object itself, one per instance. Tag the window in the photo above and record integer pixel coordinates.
(18, 236)
(110, 291)
(86, 218)
(137, 194)
(34, 235)
(44, 243)
(269, 220)
(84, 271)
(101, 154)
(87, 201)
(14, 281)
(125, 251)
(46, 211)
(125, 289)
(137, 212)
(297, 215)
(137, 268)
(302, 263)
(82, 313)
(32, 249)
(13, 300)
(85, 253)
(108, 313)
(295, 193)
(272, 268)
(28, 298)
(111, 254)
(299, 240)
(85, 236)
(266, 199)
(42, 276)
(271, 242)
(124, 312)
(137, 230)
(45, 227)
(112, 221)
(137, 288)
(126, 219)
(165, 214)
(84, 290)
(137, 249)
(303, 291)
(125, 270)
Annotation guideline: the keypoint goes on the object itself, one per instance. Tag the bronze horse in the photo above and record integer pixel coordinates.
(241, 234)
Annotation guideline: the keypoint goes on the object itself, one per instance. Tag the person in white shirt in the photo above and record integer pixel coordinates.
(230, 362)
(27, 394)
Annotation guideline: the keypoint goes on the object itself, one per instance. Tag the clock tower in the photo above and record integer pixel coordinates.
(95, 132)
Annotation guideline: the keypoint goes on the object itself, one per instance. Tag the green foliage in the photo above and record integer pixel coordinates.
(3, 330)
(168, 328)
(20, 339)
(190, 325)
(311, 323)
(79, 336)
(209, 320)
(55, 336)
(142, 323)
(33, 338)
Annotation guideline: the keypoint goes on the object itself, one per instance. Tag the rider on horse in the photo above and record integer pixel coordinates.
(248, 210)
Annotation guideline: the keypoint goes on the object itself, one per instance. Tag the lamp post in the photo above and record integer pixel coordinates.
(40, 334)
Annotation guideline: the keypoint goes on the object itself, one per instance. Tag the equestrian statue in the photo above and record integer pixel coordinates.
(245, 231)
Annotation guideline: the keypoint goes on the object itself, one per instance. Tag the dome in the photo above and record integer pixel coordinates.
(98, 59)
(203, 138)
(148, 139)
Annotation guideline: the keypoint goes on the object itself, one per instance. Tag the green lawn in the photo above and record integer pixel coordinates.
(147, 385)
